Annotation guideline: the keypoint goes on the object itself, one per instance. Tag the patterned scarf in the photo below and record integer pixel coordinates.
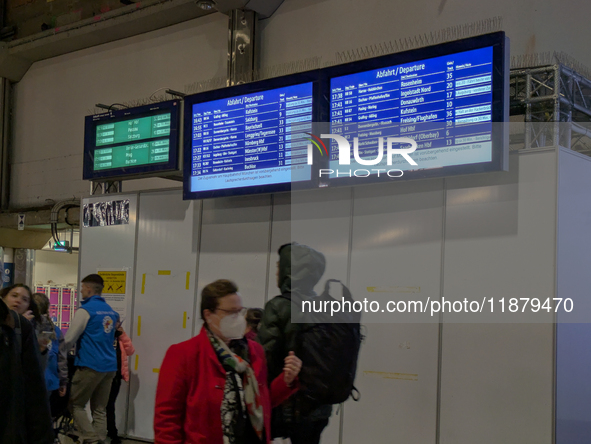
(239, 397)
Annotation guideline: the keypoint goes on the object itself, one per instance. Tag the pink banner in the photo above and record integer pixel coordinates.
(66, 314)
(54, 296)
(66, 297)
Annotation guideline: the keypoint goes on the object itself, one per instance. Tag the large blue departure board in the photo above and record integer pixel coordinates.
(250, 141)
(447, 104)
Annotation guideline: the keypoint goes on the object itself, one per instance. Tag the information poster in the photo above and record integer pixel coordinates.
(115, 290)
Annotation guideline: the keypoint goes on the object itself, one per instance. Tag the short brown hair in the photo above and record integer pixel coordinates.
(212, 293)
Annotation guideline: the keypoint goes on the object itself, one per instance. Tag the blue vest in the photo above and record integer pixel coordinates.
(52, 379)
(95, 346)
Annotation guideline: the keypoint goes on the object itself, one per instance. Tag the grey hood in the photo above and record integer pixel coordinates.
(300, 268)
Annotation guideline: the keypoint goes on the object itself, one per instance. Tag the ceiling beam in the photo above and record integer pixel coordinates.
(36, 218)
(17, 56)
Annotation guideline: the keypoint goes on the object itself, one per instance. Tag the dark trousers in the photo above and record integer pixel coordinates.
(111, 423)
(58, 404)
(307, 431)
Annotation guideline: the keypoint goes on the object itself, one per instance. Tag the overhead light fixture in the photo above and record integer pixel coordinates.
(206, 5)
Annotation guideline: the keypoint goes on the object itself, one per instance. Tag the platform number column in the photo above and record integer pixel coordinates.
(449, 103)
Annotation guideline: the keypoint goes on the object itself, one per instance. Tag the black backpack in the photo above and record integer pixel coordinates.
(328, 351)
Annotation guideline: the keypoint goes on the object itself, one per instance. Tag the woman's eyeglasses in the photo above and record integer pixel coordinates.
(241, 311)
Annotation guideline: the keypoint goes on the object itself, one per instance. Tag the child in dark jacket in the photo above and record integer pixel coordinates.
(56, 371)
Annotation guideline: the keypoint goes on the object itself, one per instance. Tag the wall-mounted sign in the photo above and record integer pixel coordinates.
(21, 221)
(103, 214)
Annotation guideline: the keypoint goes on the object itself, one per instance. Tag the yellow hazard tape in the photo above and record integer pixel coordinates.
(139, 325)
(164, 272)
(137, 358)
(185, 319)
(143, 283)
(393, 289)
(156, 370)
(188, 280)
(390, 375)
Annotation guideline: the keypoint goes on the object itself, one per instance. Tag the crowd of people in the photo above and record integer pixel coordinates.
(39, 383)
(236, 382)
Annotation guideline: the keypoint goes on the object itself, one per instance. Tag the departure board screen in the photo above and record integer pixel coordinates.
(247, 142)
(132, 141)
(446, 104)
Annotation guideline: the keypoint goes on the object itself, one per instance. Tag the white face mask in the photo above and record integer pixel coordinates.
(232, 326)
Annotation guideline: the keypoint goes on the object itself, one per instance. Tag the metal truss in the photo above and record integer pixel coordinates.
(555, 102)
(105, 187)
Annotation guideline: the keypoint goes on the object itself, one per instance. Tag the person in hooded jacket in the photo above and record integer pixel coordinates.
(24, 405)
(299, 269)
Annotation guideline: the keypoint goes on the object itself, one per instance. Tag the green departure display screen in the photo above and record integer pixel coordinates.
(133, 130)
(129, 133)
(132, 142)
(130, 155)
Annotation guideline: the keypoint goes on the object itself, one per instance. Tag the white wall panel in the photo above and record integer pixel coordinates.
(397, 237)
(573, 340)
(497, 379)
(112, 247)
(235, 245)
(317, 218)
(167, 244)
(499, 234)
(321, 220)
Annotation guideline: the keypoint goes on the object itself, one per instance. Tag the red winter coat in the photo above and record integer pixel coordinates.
(191, 388)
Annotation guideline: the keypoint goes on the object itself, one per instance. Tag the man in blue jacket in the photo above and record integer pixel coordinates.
(93, 329)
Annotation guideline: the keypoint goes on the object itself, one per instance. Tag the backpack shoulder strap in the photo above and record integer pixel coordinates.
(346, 292)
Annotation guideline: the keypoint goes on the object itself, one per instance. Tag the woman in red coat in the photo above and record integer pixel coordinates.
(213, 388)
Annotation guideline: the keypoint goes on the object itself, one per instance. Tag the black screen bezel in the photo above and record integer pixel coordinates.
(132, 172)
(319, 114)
(500, 100)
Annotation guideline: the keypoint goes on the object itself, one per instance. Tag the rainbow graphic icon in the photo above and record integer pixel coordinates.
(310, 154)
(318, 146)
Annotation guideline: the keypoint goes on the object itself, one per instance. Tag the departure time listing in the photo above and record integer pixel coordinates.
(442, 102)
(256, 138)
